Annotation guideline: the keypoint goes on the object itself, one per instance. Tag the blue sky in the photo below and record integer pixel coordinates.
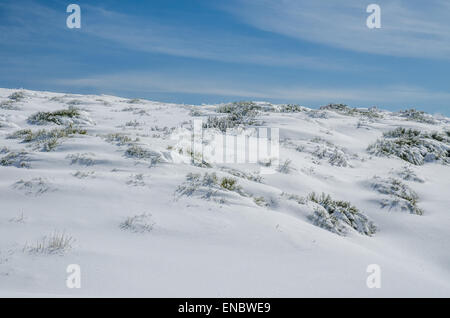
(209, 51)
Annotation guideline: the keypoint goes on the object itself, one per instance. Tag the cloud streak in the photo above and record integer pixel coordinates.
(409, 28)
(200, 43)
(32, 22)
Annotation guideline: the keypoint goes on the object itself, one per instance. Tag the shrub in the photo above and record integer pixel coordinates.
(4, 150)
(242, 108)
(338, 216)
(408, 174)
(17, 96)
(85, 159)
(400, 195)
(229, 184)
(134, 101)
(413, 146)
(138, 152)
(9, 105)
(371, 113)
(194, 181)
(295, 197)
(261, 201)
(208, 186)
(35, 186)
(83, 174)
(239, 114)
(133, 123)
(57, 117)
(326, 150)
(335, 107)
(195, 113)
(47, 140)
(244, 175)
(290, 108)
(120, 139)
(418, 116)
(16, 159)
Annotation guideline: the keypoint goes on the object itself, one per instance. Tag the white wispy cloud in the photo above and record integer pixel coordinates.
(33, 22)
(200, 42)
(409, 28)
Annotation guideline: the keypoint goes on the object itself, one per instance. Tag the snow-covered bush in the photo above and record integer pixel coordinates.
(326, 150)
(413, 146)
(318, 114)
(290, 108)
(138, 224)
(139, 152)
(261, 201)
(84, 174)
(294, 197)
(228, 122)
(35, 186)
(8, 105)
(229, 184)
(133, 123)
(120, 139)
(68, 116)
(46, 140)
(17, 96)
(335, 107)
(400, 196)
(407, 173)
(135, 101)
(240, 109)
(162, 132)
(209, 186)
(84, 159)
(55, 243)
(17, 159)
(244, 175)
(415, 115)
(370, 113)
(195, 182)
(339, 216)
(195, 113)
(238, 114)
(11, 103)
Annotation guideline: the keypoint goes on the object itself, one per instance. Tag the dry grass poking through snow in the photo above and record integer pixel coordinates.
(55, 243)
(138, 223)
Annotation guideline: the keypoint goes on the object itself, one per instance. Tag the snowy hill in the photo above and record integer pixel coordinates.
(101, 182)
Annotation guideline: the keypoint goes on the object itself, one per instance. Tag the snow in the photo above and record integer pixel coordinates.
(134, 235)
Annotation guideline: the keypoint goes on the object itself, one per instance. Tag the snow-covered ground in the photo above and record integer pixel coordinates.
(104, 191)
